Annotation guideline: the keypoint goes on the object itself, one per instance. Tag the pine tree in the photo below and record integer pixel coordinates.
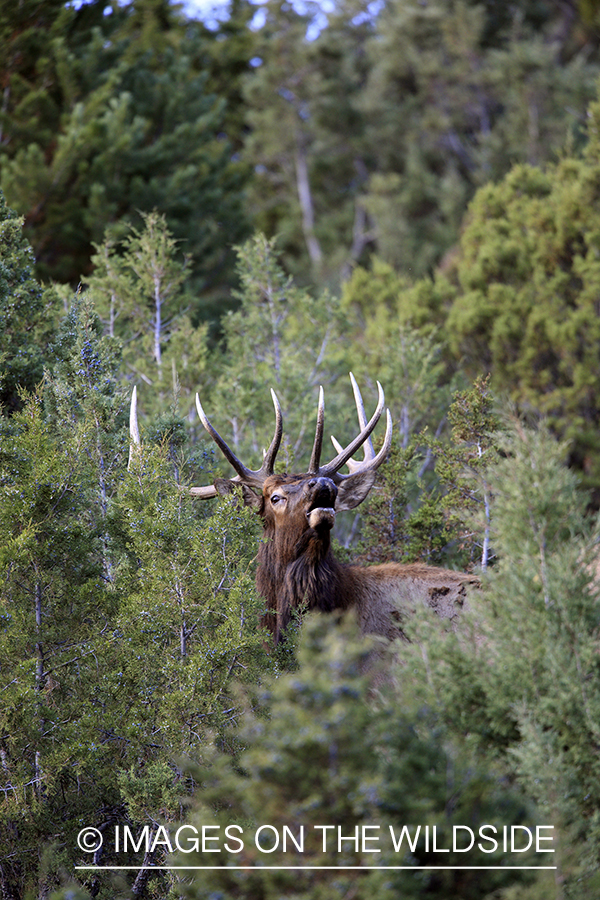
(319, 751)
(128, 122)
(27, 313)
(523, 688)
(281, 337)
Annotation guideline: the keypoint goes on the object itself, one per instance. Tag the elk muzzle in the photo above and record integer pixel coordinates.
(321, 494)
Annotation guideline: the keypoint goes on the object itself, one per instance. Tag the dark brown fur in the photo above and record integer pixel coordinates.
(297, 567)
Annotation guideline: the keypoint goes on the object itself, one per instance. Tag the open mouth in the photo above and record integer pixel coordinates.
(321, 512)
(323, 499)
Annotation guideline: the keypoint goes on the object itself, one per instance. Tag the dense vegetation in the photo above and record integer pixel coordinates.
(412, 194)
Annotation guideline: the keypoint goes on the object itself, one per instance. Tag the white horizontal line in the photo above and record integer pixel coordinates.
(306, 868)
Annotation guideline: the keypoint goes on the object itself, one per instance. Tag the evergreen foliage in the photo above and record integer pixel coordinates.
(124, 618)
(113, 109)
(319, 752)
(448, 520)
(512, 697)
(285, 338)
(132, 668)
(372, 133)
(142, 293)
(54, 605)
(524, 688)
(526, 307)
(26, 313)
(127, 121)
(121, 633)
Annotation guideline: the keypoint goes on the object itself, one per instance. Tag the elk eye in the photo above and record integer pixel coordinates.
(275, 498)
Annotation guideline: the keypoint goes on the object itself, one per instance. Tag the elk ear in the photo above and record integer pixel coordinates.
(251, 499)
(353, 490)
(226, 486)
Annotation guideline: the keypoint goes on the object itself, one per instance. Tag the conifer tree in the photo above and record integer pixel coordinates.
(525, 309)
(54, 604)
(524, 687)
(127, 121)
(285, 338)
(27, 313)
(456, 94)
(372, 128)
(319, 754)
(305, 135)
(142, 293)
(189, 597)
(432, 501)
(84, 401)
(124, 620)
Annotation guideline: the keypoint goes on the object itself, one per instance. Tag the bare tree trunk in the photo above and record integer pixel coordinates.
(485, 553)
(39, 683)
(275, 319)
(307, 207)
(157, 321)
(112, 315)
(139, 885)
(361, 236)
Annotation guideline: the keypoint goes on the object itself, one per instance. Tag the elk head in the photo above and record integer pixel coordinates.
(296, 565)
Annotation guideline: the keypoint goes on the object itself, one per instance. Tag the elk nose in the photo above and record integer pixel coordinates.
(322, 484)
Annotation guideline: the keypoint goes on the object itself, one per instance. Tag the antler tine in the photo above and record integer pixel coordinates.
(204, 493)
(271, 454)
(352, 464)
(375, 462)
(343, 456)
(315, 456)
(371, 461)
(368, 448)
(134, 431)
(245, 475)
(362, 418)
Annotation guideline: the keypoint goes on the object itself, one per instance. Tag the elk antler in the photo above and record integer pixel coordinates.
(256, 478)
(244, 476)
(134, 431)
(250, 477)
(371, 460)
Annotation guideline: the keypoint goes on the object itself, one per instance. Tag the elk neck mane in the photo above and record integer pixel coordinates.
(297, 568)
(296, 565)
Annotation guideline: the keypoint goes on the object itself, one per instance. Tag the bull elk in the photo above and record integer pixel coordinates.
(296, 564)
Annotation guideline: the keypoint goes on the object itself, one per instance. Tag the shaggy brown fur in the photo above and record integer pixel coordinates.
(297, 567)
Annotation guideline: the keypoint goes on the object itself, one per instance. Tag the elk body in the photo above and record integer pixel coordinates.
(296, 565)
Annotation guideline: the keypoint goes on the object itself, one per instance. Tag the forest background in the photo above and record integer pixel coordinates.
(408, 190)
